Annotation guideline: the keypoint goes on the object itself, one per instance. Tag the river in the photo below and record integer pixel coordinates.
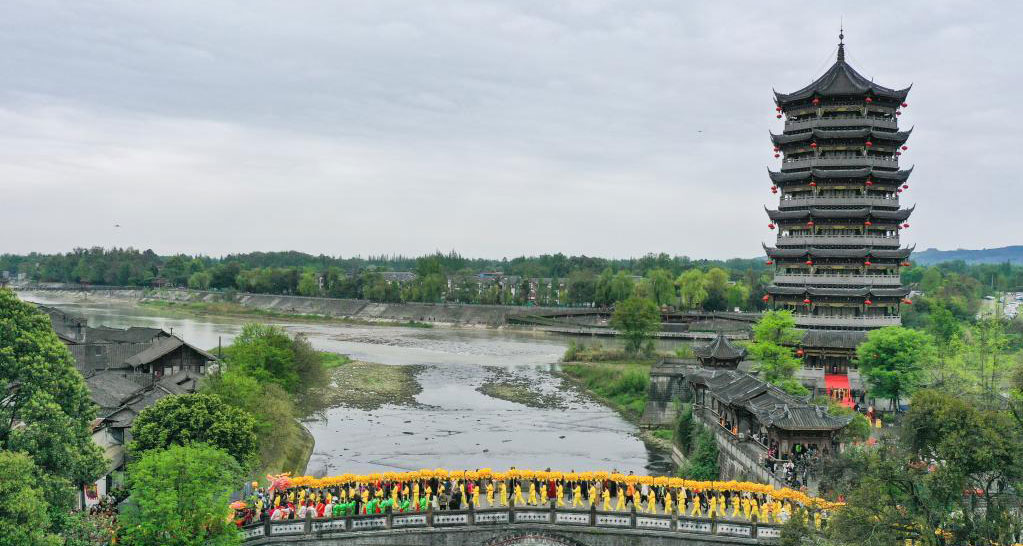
(452, 425)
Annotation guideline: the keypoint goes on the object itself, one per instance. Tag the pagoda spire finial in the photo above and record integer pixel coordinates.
(841, 43)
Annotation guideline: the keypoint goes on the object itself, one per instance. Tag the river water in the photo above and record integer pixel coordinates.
(452, 425)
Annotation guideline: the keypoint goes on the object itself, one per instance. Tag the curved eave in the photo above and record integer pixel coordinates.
(899, 292)
(824, 174)
(862, 252)
(841, 80)
(823, 135)
(840, 214)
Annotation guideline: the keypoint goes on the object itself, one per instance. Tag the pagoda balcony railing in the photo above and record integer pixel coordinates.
(837, 240)
(857, 201)
(852, 322)
(856, 161)
(842, 121)
(821, 279)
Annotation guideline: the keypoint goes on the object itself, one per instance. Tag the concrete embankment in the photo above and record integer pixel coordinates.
(481, 315)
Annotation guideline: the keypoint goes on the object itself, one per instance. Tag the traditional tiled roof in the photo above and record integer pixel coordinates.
(161, 348)
(719, 349)
(111, 389)
(841, 80)
(862, 252)
(833, 339)
(830, 174)
(846, 134)
(842, 214)
(838, 292)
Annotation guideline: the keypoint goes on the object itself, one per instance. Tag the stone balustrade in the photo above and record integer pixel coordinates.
(511, 517)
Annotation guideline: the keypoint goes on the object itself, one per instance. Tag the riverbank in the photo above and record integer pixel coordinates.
(234, 310)
(621, 384)
(368, 386)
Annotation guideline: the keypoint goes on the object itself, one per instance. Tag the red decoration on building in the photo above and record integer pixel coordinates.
(905, 225)
(905, 104)
(809, 262)
(904, 148)
(800, 352)
(813, 184)
(816, 101)
(868, 262)
(777, 149)
(769, 262)
(765, 298)
(908, 302)
(898, 113)
(774, 188)
(898, 153)
(813, 145)
(869, 144)
(771, 226)
(810, 223)
(867, 223)
(905, 264)
(778, 116)
(777, 155)
(870, 182)
(905, 186)
(807, 301)
(868, 302)
(869, 100)
(778, 109)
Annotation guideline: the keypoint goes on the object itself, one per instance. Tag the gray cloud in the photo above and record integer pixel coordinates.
(499, 128)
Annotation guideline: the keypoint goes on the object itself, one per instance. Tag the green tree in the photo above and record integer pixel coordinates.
(662, 287)
(622, 287)
(309, 284)
(265, 352)
(715, 283)
(636, 319)
(773, 337)
(192, 419)
(25, 512)
(180, 497)
(893, 360)
(691, 289)
(45, 407)
(199, 281)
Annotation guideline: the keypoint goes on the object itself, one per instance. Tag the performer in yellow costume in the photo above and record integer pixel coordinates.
(543, 494)
(697, 507)
(490, 493)
(735, 505)
(415, 494)
(713, 507)
(817, 520)
(651, 502)
(637, 500)
(561, 495)
(519, 501)
(593, 494)
(620, 505)
(475, 497)
(532, 493)
(504, 493)
(577, 496)
(607, 500)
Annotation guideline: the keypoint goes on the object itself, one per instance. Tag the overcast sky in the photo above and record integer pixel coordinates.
(492, 128)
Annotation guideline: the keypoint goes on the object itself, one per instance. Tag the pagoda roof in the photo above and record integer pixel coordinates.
(864, 212)
(779, 176)
(841, 80)
(838, 292)
(719, 349)
(863, 252)
(822, 134)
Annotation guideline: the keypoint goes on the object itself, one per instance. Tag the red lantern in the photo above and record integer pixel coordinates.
(778, 109)
(813, 184)
(869, 144)
(809, 262)
(904, 148)
(769, 262)
(905, 186)
(898, 113)
(765, 298)
(899, 190)
(870, 182)
(905, 225)
(778, 116)
(773, 188)
(898, 153)
(868, 262)
(867, 223)
(774, 191)
(908, 302)
(771, 226)
(816, 101)
(799, 352)
(807, 301)
(810, 223)
(905, 264)
(905, 105)
(867, 302)
(813, 145)
(869, 100)
(777, 149)
(777, 155)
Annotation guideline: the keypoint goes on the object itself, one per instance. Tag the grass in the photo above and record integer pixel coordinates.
(368, 386)
(621, 384)
(663, 433)
(289, 451)
(229, 309)
(333, 360)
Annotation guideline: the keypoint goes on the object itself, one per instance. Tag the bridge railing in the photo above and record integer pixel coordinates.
(511, 516)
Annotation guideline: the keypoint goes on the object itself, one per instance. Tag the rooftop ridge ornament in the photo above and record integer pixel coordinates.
(841, 45)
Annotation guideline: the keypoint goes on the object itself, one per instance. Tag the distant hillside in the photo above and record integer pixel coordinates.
(1012, 254)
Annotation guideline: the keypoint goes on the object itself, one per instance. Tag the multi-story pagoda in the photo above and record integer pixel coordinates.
(839, 215)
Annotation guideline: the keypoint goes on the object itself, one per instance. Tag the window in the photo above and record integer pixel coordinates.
(117, 434)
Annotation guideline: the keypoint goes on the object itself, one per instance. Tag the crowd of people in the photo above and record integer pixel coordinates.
(285, 498)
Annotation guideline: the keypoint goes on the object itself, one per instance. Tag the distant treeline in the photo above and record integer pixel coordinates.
(553, 279)
(1011, 254)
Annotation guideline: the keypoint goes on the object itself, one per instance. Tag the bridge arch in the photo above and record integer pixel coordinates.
(532, 539)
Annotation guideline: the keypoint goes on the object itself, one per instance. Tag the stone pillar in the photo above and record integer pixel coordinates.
(753, 521)
(389, 514)
(308, 527)
(429, 515)
(266, 527)
(674, 513)
(632, 516)
(554, 508)
(511, 510)
(472, 514)
(593, 514)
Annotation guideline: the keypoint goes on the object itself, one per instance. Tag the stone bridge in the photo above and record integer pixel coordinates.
(533, 526)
